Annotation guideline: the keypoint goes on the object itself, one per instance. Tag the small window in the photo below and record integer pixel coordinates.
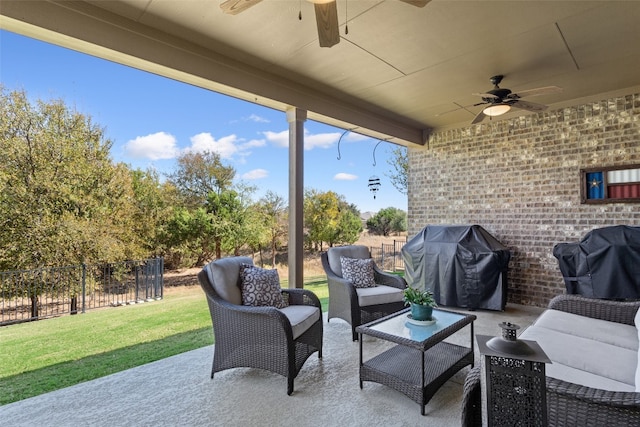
(613, 184)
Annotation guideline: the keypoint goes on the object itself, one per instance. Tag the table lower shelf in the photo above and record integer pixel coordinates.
(399, 368)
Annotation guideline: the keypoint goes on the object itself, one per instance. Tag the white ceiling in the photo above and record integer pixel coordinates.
(392, 76)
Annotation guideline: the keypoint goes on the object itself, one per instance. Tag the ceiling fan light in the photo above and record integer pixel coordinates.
(321, 1)
(496, 109)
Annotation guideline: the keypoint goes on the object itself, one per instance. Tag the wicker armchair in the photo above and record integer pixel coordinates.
(360, 305)
(277, 340)
(571, 404)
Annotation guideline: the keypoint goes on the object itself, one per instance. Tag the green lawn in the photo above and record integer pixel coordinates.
(38, 357)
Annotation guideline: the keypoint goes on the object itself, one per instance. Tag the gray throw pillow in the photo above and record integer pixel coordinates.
(260, 287)
(358, 271)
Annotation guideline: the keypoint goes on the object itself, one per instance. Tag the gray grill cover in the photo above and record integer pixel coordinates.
(463, 265)
(604, 264)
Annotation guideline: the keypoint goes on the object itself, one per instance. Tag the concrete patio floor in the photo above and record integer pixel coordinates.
(178, 391)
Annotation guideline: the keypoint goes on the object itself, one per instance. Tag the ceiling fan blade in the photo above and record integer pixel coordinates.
(460, 107)
(480, 117)
(486, 95)
(529, 106)
(536, 92)
(417, 3)
(327, 21)
(233, 7)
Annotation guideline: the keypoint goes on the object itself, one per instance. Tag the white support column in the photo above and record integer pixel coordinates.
(296, 119)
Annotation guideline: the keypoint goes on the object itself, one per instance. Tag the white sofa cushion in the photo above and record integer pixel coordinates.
(625, 336)
(301, 317)
(567, 342)
(381, 294)
(576, 376)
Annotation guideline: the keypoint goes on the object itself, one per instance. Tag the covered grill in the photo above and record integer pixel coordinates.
(463, 265)
(604, 264)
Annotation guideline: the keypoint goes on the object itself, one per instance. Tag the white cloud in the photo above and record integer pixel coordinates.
(352, 137)
(156, 146)
(345, 177)
(258, 119)
(255, 143)
(256, 174)
(311, 141)
(320, 140)
(279, 139)
(226, 146)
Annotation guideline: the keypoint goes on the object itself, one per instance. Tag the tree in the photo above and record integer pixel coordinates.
(154, 203)
(329, 218)
(257, 230)
(62, 200)
(388, 220)
(207, 193)
(399, 222)
(349, 228)
(199, 174)
(400, 163)
(227, 220)
(274, 212)
(320, 216)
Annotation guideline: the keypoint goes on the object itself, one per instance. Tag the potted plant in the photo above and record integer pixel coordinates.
(421, 302)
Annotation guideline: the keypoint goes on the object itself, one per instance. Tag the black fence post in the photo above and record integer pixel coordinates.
(137, 298)
(34, 306)
(160, 277)
(84, 288)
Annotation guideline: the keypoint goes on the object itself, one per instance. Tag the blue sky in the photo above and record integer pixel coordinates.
(152, 119)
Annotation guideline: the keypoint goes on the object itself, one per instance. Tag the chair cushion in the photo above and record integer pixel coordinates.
(351, 251)
(224, 275)
(301, 317)
(381, 294)
(260, 287)
(358, 271)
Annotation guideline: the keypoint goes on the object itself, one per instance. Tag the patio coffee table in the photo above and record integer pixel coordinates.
(421, 362)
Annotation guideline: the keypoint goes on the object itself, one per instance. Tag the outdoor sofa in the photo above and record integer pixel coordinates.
(594, 377)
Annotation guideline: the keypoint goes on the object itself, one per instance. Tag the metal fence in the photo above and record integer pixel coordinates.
(388, 256)
(27, 295)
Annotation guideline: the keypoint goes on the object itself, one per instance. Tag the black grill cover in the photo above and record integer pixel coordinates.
(604, 264)
(463, 265)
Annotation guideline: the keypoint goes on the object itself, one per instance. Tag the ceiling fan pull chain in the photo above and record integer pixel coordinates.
(300, 12)
(346, 17)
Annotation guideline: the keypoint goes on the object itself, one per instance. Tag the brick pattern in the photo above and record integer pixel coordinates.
(520, 179)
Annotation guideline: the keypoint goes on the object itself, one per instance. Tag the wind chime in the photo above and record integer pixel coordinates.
(374, 181)
(374, 185)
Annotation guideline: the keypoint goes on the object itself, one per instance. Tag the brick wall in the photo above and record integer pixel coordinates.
(520, 180)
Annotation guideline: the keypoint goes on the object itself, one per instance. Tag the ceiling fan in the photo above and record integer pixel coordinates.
(326, 16)
(500, 100)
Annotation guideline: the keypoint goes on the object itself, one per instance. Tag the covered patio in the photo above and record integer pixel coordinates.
(404, 75)
(407, 75)
(178, 391)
